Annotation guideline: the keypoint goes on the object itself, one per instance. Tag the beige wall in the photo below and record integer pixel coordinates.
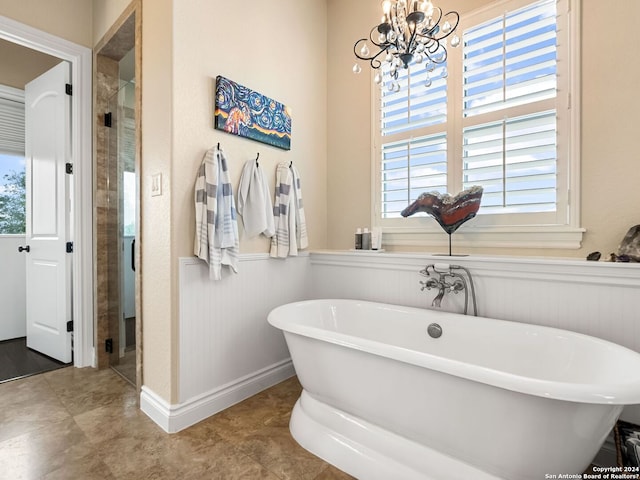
(184, 48)
(276, 48)
(609, 128)
(68, 19)
(158, 266)
(105, 13)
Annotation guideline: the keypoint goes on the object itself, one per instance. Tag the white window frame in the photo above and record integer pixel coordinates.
(485, 231)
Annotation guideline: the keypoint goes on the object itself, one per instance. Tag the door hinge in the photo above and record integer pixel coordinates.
(107, 119)
(70, 326)
(68, 168)
(108, 345)
(69, 247)
(68, 89)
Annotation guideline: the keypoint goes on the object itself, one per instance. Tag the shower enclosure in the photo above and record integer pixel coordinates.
(121, 227)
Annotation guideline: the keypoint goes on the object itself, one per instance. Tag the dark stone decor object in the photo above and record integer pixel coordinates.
(594, 256)
(450, 212)
(630, 246)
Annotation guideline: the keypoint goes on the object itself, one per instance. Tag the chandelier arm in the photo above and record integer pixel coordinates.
(413, 33)
(445, 54)
(382, 45)
(375, 63)
(435, 24)
(453, 27)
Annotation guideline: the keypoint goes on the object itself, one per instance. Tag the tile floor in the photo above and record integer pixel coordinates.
(16, 360)
(84, 424)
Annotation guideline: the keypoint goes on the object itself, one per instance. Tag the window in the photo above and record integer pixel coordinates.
(12, 162)
(497, 114)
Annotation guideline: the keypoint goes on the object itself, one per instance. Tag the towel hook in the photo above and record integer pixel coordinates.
(218, 145)
(257, 157)
(290, 163)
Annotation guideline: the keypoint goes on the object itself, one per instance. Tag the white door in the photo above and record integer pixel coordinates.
(47, 150)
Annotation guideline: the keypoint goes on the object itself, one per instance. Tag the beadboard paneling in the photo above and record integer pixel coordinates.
(595, 298)
(224, 334)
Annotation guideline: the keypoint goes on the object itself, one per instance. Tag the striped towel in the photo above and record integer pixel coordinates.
(254, 201)
(288, 212)
(216, 240)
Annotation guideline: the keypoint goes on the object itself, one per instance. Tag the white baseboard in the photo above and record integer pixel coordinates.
(173, 418)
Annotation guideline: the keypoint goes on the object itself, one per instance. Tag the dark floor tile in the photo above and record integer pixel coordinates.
(16, 360)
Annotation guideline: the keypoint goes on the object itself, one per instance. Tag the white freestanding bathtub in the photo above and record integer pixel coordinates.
(488, 399)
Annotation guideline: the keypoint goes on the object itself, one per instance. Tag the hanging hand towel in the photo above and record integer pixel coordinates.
(254, 201)
(291, 229)
(216, 240)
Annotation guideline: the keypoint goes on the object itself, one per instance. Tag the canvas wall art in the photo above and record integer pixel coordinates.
(241, 111)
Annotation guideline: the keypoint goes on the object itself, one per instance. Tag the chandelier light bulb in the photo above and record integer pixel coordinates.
(430, 67)
(356, 69)
(364, 51)
(444, 73)
(382, 37)
(427, 82)
(446, 27)
(377, 78)
(455, 40)
(390, 86)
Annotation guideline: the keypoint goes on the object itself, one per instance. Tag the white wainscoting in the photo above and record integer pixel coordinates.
(13, 320)
(594, 298)
(228, 351)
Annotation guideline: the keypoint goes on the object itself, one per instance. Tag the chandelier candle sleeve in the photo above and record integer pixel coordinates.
(410, 32)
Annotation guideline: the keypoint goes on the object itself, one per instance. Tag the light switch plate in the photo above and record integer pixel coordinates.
(156, 184)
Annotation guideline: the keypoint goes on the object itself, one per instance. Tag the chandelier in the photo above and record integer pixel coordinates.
(411, 32)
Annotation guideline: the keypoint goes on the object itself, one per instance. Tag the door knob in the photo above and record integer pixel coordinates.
(24, 249)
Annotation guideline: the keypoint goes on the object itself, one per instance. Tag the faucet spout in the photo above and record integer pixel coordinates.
(438, 298)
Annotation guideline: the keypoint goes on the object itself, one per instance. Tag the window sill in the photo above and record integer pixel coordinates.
(534, 236)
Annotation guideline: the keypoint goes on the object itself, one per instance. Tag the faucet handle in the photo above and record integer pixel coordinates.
(457, 286)
(429, 284)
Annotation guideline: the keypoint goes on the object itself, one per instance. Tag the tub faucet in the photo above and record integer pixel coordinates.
(444, 278)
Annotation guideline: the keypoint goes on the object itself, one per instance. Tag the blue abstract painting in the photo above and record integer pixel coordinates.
(241, 111)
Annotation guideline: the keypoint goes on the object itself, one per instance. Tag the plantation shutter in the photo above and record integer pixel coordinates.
(11, 124)
(515, 161)
(411, 167)
(509, 130)
(413, 162)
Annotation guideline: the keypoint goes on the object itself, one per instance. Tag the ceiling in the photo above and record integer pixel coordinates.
(19, 65)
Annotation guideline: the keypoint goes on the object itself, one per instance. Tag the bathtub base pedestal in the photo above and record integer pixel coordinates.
(369, 452)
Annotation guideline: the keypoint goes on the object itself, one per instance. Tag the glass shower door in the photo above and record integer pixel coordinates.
(122, 215)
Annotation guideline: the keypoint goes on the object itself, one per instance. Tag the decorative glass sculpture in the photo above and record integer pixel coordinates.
(450, 212)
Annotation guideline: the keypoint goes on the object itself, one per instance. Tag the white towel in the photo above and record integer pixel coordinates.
(254, 201)
(216, 240)
(288, 211)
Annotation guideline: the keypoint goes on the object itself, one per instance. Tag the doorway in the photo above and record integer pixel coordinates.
(80, 231)
(117, 175)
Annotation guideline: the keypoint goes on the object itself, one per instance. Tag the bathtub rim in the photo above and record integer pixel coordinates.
(610, 394)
